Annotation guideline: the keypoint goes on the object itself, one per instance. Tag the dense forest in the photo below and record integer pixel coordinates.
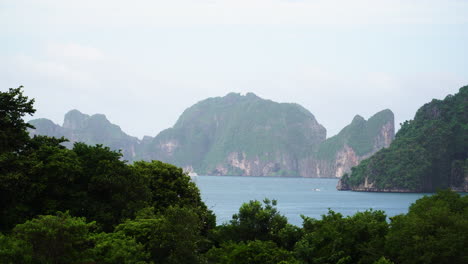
(87, 205)
(428, 153)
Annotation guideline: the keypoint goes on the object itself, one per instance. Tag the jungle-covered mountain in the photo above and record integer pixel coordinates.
(239, 135)
(429, 152)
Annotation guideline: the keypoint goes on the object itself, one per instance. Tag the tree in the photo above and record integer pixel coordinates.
(253, 222)
(13, 106)
(39, 180)
(62, 238)
(117, 248)
(251, 252)
(337, 239)
(111, 190)
(172, 236)
(57, 238)
(14, 250)
(170, 186)
(433, 231)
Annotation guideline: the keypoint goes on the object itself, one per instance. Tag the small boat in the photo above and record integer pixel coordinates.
(316, 190)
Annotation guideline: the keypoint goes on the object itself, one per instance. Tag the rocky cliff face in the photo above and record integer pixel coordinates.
(239, 135)
(250, 136)
(45, 126)
(345, 160)
(279, 164)
(95, 129)
(356, 142)
(428, 153)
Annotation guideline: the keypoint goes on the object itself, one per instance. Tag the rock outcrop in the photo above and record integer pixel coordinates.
(357, 141)
(95, 129)
(428, 153)
(250, 136)
(238, 135)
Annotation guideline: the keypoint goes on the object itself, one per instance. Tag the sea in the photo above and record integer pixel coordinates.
(311, 197)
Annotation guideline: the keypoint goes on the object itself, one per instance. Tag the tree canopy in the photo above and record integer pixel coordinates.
(13, 107)
(87, 205)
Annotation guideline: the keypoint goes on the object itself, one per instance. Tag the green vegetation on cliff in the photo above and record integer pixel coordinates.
(428, 153)
(249, 126)
(95, 129)
(360, 135)
(237, 135)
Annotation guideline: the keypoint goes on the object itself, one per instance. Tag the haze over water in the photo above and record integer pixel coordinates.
(307, 196)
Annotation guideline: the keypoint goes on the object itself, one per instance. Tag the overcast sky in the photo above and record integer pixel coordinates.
(141, 63)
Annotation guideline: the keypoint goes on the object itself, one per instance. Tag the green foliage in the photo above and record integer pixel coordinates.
(90, 181)
(56, 239)
(169, 186)
(13, 107)
(428, 152)
(110, 190)
(383, 260)
(334, 239)
(117, 248)
(206, 133)
(14, 250)
(151, 212)
(254, 222)
(211, 130)
(62, 238)
(231, 127)
(433, 231)
(288, 236)
(251, 252)
(173, 236)
(360, 135)
(36, 181)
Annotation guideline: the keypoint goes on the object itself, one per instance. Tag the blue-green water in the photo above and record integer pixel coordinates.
(224, 195)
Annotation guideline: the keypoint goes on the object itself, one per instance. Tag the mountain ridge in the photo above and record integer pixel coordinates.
(429, 152)
(234, 135)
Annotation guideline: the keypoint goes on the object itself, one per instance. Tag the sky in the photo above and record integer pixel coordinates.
(142, 63)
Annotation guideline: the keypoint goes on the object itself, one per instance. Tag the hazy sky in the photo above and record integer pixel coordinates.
(141, 63)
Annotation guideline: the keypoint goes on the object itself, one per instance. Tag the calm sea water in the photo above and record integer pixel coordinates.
(310, 197)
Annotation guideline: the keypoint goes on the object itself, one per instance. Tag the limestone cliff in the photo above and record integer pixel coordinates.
(279, 164)
(45, 126)
(250, 136)
(357, 141)
(428, 153)
(95, 129)
(238, 135)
